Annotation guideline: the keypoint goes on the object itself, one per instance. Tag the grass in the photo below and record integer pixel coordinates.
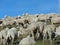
(39, 42)
(47, 42)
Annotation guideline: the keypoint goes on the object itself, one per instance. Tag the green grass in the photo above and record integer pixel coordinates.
(47, 42)
(39, 42)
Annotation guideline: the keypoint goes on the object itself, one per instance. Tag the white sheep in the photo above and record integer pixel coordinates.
(22, 31)
(11, 35)
(57, 31)
(55, 20)
(31, 18)
(3, 35)
(27, 41)
(48, 29)
(48, 33)
(35, 28)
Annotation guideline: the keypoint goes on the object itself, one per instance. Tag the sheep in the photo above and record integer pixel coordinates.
(42, 18)
(31, 18)
(52, 15)
(45, 18)
(27, 41)
(20, 21)
(10, 20)
(48, 33)
(49, 29)
(57, 35)
(22, 31)
(55, 20)
(40, 29)
(11, 35)
(3, 35)
(57, 31)
(33, 27)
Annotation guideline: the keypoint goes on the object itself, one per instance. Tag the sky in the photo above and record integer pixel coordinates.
(18, 7)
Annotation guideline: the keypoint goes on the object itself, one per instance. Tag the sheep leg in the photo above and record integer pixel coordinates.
(43, 40)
